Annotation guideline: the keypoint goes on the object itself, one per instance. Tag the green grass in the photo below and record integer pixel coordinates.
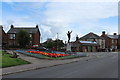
(7, 61)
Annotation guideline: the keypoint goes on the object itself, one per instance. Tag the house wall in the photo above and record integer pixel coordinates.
(114, 43)
(11, 41)
(109, 42)
(101, 42)
(118, 42)
(4, 37)
(89, 48)
(35, 39)
(78, 47)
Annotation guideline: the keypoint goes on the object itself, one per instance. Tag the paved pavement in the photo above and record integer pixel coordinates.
(36, 63)
(104, 66)
(41, 63)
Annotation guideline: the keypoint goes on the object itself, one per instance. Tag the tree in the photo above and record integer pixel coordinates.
(49, 43)
(53, 43)
(23, 38)
(59, 43)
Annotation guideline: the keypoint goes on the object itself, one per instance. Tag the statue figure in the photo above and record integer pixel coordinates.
(69, 35)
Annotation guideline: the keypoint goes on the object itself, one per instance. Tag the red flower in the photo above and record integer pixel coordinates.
(48, 54)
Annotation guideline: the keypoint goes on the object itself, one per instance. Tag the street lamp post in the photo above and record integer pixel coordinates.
(57, 41)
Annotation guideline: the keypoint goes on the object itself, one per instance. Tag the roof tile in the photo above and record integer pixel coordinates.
(29, 30)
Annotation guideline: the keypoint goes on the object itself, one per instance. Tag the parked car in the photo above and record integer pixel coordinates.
(43, 49)
(35, 46)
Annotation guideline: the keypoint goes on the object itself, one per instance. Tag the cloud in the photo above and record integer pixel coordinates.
(86, 15)
(24, 0)
(60, 0)
(72, 12)
(0, 13)
(60, 17)
(22, 21)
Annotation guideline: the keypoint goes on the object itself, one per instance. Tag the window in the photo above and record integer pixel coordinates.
(30, 35)
(12, 36)
(115, 41)
(112, 46)
(115, 47)
(112, 41)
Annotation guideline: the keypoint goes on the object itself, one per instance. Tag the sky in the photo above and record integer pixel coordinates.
(52, 16)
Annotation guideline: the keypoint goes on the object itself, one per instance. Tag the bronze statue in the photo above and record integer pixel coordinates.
(69, 35)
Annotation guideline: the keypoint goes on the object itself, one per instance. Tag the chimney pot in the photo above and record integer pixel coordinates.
(12, 26)
(115, 34)
(103, 33)
(77, 38)
(36, 26)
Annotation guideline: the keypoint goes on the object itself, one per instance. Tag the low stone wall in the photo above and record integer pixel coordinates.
(117, 50)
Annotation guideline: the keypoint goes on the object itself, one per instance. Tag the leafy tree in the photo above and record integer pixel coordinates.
(53, 43)
(23, 38)
(59, 43)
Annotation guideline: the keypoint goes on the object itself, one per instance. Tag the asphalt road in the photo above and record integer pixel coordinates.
(102, 67)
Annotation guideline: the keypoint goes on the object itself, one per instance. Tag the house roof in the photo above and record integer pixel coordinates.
(0, 25)
(85, 43)
(113, 36)
(88, 42)
(28, 29)
(91, 36)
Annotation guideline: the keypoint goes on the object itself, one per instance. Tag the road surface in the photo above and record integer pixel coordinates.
(101, 67)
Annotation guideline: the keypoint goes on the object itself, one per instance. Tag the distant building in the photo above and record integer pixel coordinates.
(84, 46)
(33, 32)
(95, 38)
(3, 37)
(111, 40)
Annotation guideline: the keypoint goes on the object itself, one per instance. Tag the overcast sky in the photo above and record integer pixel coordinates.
(54, 17)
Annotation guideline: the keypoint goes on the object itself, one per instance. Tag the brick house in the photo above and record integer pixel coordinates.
(3, 37)
(33, 32)
(118, 42)
(84, 46)
(111, 40)
(94, 37)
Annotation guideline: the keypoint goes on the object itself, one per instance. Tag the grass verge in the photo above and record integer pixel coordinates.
(7, 61)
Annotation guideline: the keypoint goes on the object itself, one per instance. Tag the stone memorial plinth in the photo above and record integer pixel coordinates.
(68, 48)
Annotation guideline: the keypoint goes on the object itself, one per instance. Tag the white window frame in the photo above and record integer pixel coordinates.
(12, 36)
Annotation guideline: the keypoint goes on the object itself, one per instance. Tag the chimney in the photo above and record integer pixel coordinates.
(114, 33)
(1, 27)
(77, 38)
(12, 26)
(103, 33)
(119, 36)
(36, 26)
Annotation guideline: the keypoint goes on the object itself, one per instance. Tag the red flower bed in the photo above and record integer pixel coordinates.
(48, 54)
